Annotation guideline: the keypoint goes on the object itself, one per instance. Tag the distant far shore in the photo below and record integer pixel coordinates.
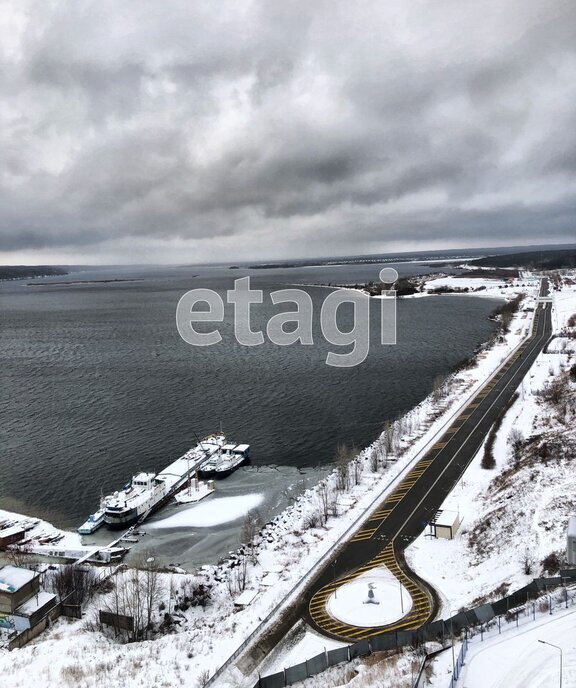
(102, 281)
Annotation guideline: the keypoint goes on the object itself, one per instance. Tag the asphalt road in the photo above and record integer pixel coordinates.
(404, 514)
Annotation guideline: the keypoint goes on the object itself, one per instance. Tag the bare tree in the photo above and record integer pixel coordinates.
(151, 590)
(136, 593)
(439, 388)
(357, 469)
(19, 555)
(250, 529)
(71, 582)
(527, 561)
(342, 468)
(238, 576)
(324, 492)
(388, 437)
(374, 458)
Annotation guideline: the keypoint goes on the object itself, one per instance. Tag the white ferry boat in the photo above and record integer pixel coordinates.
(225, 460)
(146, 492)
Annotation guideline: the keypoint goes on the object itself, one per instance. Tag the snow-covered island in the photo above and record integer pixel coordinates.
(514, 517)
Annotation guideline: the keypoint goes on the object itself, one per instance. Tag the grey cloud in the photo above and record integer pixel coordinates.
(334, 123)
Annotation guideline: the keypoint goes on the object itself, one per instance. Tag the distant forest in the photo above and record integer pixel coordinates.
(11, 272)
(531, 260)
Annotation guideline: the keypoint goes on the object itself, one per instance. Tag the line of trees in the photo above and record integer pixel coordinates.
(136, 593)
(506, 311)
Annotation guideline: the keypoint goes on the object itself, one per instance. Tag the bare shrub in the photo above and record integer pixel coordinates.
(75, 584)
(527, 561)
(313, 519)
(516, 441)
(203, 678)
(250, 529)
(72, 674)
(551, 563)
(556, 392)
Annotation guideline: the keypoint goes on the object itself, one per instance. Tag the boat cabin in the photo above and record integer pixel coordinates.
(242, 449)
(145, 480)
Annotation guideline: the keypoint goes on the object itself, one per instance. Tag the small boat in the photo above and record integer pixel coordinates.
(225, 461)
(92, 523)
(196, 490)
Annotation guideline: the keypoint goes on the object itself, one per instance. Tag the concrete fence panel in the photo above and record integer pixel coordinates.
(338, 655)
(272, 681)
(317, 664)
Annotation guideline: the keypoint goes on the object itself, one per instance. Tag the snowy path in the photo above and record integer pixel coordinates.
(517, 659)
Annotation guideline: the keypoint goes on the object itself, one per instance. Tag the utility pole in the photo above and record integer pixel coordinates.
(559, 650)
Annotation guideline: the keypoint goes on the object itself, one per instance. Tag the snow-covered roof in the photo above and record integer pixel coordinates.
(242, 447)
(143, 477)
(572, 526)
(245, 598)
(446, 518)
(12, 578)
(35, 603)
(12, 531)
(270, 579)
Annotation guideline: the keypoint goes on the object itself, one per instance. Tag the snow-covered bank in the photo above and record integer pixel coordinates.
(486, 286)
(514, 516)
(460, 583)
(273, 562)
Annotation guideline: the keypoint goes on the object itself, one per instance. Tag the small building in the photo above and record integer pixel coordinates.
(30, 613)
(245, 599)
(22, 604)
(571, 541)
(17, 585)
(445, 524)
(12, 535)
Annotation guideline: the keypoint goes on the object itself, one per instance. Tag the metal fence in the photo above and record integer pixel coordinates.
(436, 631)
(458, 662)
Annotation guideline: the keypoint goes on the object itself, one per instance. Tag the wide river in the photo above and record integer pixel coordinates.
(96, 383)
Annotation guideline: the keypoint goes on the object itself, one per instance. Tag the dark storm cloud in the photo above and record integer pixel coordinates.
(277, 126)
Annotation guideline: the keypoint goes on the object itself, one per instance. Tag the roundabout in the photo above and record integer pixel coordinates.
(375, 598)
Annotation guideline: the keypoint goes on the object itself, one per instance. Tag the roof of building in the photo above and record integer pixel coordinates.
(245, 598)
(12, 578)
(35, 603)
(446, 518)
(12, 531)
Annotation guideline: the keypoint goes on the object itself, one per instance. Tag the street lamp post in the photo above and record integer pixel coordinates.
(334, 577)
(560, 651)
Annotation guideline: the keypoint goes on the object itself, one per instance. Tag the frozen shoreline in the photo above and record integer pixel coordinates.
(293, 543)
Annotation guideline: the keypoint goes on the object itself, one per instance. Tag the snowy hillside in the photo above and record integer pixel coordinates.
(194, 639)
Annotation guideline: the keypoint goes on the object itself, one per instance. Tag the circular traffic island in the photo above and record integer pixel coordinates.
(375, 598)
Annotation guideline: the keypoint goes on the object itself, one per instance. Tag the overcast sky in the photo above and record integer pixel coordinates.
(165, 131)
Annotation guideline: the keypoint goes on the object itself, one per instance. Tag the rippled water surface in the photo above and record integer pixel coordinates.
(96, 382)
